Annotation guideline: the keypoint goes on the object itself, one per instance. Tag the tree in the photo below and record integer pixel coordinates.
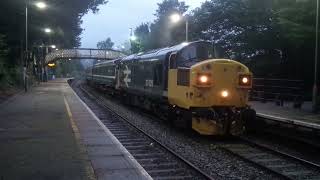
(142, 42)
(106, 44)
(296, 20)
(163, 32)
(63, 17)
(245, 29)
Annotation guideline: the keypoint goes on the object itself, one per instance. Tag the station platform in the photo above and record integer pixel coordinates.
(49, 133)
(287, 114)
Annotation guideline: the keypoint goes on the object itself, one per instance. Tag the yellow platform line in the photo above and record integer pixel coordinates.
(88, 166)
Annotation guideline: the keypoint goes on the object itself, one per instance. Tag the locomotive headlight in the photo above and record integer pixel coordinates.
(245, 80)
(204, 79)
(224, 94)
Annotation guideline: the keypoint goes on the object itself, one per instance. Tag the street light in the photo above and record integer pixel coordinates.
(133, 37)
(175, 18)
(315, 88)
(47, 30)
(40, 5)
(53, 46)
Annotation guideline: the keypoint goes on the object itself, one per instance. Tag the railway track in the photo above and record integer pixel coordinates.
(158, 160)
(159, 166)
(277, 162)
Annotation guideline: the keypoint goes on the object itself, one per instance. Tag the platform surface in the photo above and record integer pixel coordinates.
(287, 113)
(49, 133)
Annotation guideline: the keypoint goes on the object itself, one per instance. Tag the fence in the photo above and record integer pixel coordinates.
(278, 91)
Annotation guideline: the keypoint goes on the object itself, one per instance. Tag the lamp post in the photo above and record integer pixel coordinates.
(40, 5)
(315, 88)
(132, 39)
(44, 68)
(175, 18)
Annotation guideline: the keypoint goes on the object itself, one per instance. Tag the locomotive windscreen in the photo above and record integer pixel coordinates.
(194, 53)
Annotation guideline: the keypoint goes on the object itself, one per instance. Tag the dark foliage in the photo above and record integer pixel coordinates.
(106, 44)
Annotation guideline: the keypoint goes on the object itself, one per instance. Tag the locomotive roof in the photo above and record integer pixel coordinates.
(106, 62)
(159, 52)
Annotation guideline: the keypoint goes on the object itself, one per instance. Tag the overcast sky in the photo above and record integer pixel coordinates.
(116, 18)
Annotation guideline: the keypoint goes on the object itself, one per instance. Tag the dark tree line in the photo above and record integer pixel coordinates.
(62, 16)
(275, 38)
(106, 44)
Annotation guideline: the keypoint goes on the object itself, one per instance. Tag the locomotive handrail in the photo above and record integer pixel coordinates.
(83, 53)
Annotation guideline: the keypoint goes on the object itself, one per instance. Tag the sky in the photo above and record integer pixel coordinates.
(116, 18)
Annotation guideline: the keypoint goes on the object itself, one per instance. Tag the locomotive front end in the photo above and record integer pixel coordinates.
(214, 93)
(220, 96)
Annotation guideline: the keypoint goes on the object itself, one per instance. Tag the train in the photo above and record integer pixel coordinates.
(186, 85)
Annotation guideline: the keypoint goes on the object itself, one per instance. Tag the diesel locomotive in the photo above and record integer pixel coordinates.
(185, 84)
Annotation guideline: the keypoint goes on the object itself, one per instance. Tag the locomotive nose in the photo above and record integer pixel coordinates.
(221, 83)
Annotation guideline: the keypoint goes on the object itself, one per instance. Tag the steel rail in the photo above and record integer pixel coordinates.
(265, 148)
(207, 176)
(286, 155)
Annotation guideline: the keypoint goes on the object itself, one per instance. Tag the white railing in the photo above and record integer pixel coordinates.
(103, 54)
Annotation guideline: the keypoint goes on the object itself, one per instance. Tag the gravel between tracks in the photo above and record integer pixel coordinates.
(202, 151)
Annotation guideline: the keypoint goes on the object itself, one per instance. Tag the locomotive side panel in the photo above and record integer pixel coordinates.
(142, 77)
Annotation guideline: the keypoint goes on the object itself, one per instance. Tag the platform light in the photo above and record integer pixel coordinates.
(47, 30)
(51, 64)
(224, 94)
(53, 46)
(41, 5)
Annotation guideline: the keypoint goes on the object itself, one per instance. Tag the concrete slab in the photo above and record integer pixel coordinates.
(49, 133)
(110, 162)
(287, 114)
(36, 139)
(106, 153)
(99, 151)
(119, 174)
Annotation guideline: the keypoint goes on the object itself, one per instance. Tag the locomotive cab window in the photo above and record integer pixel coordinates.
(195, 53)
(157, 75)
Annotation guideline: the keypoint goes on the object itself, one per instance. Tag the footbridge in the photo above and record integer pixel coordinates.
(83, 53)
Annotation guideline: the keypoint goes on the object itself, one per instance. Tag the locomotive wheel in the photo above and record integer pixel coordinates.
(249, 117)
(183, 120)
(171, 116)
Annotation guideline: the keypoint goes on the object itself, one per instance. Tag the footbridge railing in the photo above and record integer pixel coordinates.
(83, 53)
